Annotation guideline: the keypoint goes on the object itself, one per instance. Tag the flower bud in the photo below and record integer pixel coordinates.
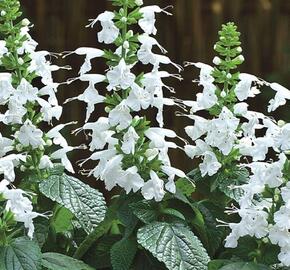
(49, 142)
(139, 2)
(126, 45)
(229, 75)
(41, 147)
(241, 58)
(3, 12)
(281, 123)
(217, 61)
(265, 240)
(22, 168)
(223, 94)
(130, 33)
(107, 109)
(276, 198)
(25, 22)
(19, 147)
(20, 61)
(124, 19)
(239, 49)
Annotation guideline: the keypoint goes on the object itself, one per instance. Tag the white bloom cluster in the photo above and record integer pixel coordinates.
(24, 106)
(130, 153)
(237, 129)
(17, 201)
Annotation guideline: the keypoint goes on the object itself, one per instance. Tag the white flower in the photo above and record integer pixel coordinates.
(244, 86)
(153, 188)
(55, 134)
(198, 150)
(145, 54)
(61, 155)
(147, 22)
(200, 127)
(139, 2)
(5, 145)
(109, 32)
(6, 88)
(30, 135)
(8, 163)
(129, 141)
(26, 92)
(279, 236)
(241, 108)
(280, 98)
(20, 206)
(3, 49)
(90, 54)
(282, 139)
(138, 98)
(284, 256)
(45, 163)
(221, 131)
(157, 137)
(210, 164)
(120, 116)
(113, 172)
(285, 193)
(172, 172)
(15, 112)
(91, 95)
(101, 135)
(282, 218)
(131, 180)
(120, 76)
(48, 111)
(40, 65)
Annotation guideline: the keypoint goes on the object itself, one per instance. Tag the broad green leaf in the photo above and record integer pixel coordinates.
(87, 204)
(245, 266)
(56, 261)
(21, 254)
(123, 253)
(146, 211)
(217, 264)
(174, 245)
(41, 231)
(62, 220)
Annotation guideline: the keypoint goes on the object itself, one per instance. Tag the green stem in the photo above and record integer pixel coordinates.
(92, 238)
(124, 30)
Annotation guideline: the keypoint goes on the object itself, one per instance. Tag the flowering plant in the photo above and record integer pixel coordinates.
(235, 144)
(231, 212)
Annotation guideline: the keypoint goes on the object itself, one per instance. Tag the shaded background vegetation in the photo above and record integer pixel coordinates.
(189, 35)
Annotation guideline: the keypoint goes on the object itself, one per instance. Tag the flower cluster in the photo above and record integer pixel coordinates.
(17, 203)
(25, 146)
(235, 136)
(133, 154)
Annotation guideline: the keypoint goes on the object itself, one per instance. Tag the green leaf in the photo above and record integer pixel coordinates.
(87, 204)
(217, 264)
(98, 256)
(146, 211)
(174, 245)
(62, 220)
(41, 231)
(185, 186)
(56, 261)
(123, 253)
(21, 254)
(245, 266)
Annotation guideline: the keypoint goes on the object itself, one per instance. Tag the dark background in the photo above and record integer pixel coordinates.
(188, 35)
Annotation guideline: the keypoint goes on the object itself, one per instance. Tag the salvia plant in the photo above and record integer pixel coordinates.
(231, 212)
